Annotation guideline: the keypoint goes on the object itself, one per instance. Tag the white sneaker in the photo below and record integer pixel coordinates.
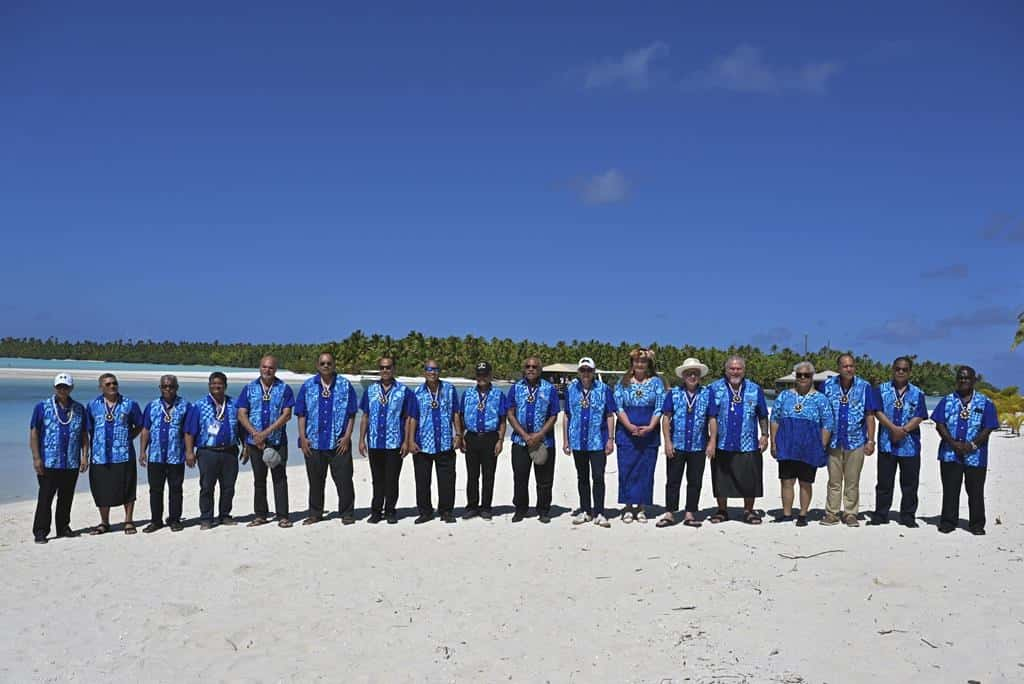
(641, 517)
(602, 521)
(580, 518)
(627, 517)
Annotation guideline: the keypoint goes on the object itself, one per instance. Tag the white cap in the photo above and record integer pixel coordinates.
(586, 362)
(64, 379)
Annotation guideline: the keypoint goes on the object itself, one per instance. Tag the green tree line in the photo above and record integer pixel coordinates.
(459, 355)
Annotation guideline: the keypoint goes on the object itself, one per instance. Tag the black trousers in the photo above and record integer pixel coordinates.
(590, 464)
(385, 468)
(60, 482)
(445, 464)
(216, 468)
(480, 460)
(279, 475)
(340, 466)
(174, 476)
(544, 474)
(692, 463)
(973, 480)
(910, 475)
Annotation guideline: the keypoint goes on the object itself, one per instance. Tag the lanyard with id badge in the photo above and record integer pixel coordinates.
(213, 429)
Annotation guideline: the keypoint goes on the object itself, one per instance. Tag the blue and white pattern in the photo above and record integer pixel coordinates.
(487, 418)
(166, 439)
(801, 420)
(738, 423)
(60, 433)
(533, 414)
(327, 418)
(851, 425)
(111, 439)
(588, 425)
(209, 431)
(981, 414)
(434, 432)
(263, 412)
(386, 428)
(913, 406)
(689, 416)
(640, 401)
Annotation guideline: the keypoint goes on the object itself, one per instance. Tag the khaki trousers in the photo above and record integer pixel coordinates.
(844, 468)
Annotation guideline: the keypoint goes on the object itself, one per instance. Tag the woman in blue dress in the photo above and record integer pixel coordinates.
(638, 398)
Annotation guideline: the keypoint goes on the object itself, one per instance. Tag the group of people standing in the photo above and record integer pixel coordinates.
(725, 423)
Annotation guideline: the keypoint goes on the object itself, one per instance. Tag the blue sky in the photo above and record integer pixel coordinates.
(743, 173)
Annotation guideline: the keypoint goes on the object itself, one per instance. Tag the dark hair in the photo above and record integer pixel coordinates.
(903, 358)
(105, 376)
(217, 375)
(974, 373)
(839, 359)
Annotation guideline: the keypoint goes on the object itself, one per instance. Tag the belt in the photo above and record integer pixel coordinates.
(477, 434)
(231, 447)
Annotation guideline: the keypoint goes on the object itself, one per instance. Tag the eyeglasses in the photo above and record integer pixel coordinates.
(804, 376)
(385, 367)
(431, 369)
(528, 366)
(691, 373)
(326, 363)
(900, 369)
(110, 383)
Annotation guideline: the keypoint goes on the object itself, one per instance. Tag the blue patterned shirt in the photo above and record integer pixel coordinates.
(265, 408)
(900, 411)
(801, 420)
(387, 411)
(203, 424)
(483, 414)
(640, 401)
(587, 413)
(981, 414)
(111, 439)
(533, 407)
(850, 417)
(60, 433)
(434, 423)
(326, 417)
(166, 437)
(738, 420)
(690, 422)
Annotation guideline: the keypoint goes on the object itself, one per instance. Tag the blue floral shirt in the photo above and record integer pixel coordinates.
(738, 414)
(266, 407)
(964, 422)
(327, 417)
(532, 407)
(433, 415)
(166, 427)
(900, 409)
(689, 417)
(850, 410)
(801, 420)
(111, 430)
(587, 413)
(640, 401)
(387, 410)
(211, 427)
(483, 412)
(60, 433)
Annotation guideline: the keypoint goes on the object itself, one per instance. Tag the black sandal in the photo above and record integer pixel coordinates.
(718, 517)
(692, 522)
(102, 528)
(129, 528)
(751, 518)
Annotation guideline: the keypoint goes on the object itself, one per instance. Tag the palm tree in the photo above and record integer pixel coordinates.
(1019, 337)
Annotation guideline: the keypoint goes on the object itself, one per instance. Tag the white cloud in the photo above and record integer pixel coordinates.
(632, 70)
(744, 70)
(605, 188)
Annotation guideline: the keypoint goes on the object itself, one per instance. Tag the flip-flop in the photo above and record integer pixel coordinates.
(665, 522)
(691, 522)
(752, 518)
(719, 517)
(102, 528)
(129, 528)
(256, 522)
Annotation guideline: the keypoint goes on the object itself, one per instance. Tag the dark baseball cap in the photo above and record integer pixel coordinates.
(483, 368)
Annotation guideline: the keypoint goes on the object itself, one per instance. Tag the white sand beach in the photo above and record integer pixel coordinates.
(493, 601)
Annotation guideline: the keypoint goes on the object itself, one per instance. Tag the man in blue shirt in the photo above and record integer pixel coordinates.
(326, 407)
(853, 404)
(533, 407)
(162, 453)
(212, 437)
(60, 450)
(433, 435)
(964, 420)
(385, 407)
(482, 421)
(901, 410)
(587, 430)
(114, 422)
(684, 424)
(264, 409)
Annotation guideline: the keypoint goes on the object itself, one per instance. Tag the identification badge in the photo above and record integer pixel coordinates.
(213, 429)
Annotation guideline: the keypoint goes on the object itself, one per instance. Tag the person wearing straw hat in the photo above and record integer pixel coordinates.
(801, 426)
(60, 450)
(684, 424)
(114, 422)
(638, 398)
(586, 434)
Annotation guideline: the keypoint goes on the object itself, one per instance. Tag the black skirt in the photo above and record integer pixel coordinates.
(737, 474)
(113, 484)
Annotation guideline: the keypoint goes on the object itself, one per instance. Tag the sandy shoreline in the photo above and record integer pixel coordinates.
(528, 602)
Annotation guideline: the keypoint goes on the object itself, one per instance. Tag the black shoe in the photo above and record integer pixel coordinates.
(878, 520)
(348, 520)
(801, 521)
(448, 518)
(485, 514)
(42, 540)
(176, 526)
(67, 533)
(518, 517)
(424, 517)
(206, 525)
(544, 518)
(946, 529)
(978, 531)
(393, 519)
(374, 518)
(909, 522)
(151, 527)
(227, 520)
(470, 513)
(782, 518)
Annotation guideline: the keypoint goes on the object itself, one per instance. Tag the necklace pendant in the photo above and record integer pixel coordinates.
(584, 404)
(530, 399)
(639, 394)
(798, 408)
(844, 399)
(964, 413)
(737, 400)
(110, 417)
(898, 403)
(480, 406)
(383, 400)
(689, 409)
(433, 404)
(326, 394)
(167, 418)
(266, 396)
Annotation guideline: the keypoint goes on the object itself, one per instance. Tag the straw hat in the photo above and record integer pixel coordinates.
(691, 364)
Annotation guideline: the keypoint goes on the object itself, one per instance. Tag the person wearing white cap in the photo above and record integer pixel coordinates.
(60, 450)
(684, 424)
(586, 434)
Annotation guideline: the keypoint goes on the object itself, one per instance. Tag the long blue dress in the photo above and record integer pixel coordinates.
(638, 456)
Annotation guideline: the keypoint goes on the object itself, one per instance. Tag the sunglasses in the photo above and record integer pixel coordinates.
(326, 363)
(901, 369)
(805, 375)
(431, 369)
(110, 383)
(385, 367)
(529, 366)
